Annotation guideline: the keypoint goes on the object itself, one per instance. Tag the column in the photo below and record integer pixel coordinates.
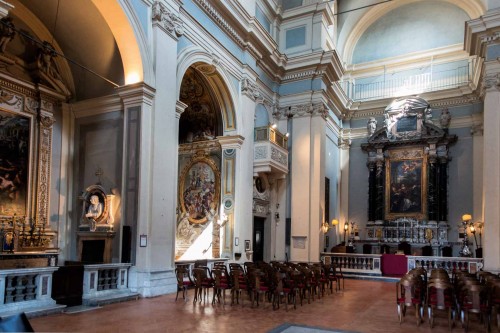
(371, 191)
(380, 186)
(432, 201)
(151, 143)
(308, 188)
(491, 169)
(344, 145)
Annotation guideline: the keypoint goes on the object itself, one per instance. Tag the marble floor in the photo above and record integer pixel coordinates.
(364, 306)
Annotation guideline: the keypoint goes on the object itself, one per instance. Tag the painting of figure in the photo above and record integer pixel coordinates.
(199, 191)
(14, 162)
(405, 187)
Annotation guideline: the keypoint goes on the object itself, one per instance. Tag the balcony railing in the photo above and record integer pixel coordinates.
(410, 82)
(266, 133)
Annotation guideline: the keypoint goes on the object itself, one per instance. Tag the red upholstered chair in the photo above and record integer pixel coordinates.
(440, 296)
(409, 293)
(239, 285)
(202, 283)
(183, 281)
(257, 287)
(221, 284)
(474, 301)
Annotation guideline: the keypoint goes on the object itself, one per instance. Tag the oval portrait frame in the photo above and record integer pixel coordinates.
(192, 185)
(101, 194)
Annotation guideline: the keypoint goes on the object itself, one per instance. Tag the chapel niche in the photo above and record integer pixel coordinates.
(408, 160)
(200, 121)
(200, 156)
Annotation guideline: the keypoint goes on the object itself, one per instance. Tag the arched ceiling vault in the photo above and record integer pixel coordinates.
(473, 8)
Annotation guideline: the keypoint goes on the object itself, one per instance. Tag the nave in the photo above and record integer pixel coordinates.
(365, 306)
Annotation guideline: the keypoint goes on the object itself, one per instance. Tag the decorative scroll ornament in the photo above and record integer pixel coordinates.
(10, 99)
(250, 89)
(171, 22)
(302, 110)
(490, 81)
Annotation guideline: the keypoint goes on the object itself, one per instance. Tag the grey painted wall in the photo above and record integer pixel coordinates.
(414, 27)
(261, 116)
(99, 142)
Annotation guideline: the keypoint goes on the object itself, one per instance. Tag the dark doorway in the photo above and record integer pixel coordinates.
(258, 238)
(93, 251)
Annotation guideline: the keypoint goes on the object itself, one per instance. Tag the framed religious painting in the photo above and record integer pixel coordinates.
(406, 184)
(199, 189)
(15, 141)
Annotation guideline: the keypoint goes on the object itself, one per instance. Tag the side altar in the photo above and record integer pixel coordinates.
(408, 175)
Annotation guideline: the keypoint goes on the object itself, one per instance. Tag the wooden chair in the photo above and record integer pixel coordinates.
(239, 284)
(475, 301)
(409, 293)
(182, 283)
(440, 296)
(220, 284)
(202, 283)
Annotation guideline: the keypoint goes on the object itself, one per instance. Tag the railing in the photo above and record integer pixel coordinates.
(102, 280)
(450, 264)
(266, 133)
(354, 263)
(370, 264)
(408, 82)
(26, 288)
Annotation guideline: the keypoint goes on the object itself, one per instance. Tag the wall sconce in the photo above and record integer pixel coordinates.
(223, 220)
(325, 227)
(346, 227)
(274, 125)
(277, 218)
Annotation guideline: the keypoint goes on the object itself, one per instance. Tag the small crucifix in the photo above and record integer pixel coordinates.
(99, 173)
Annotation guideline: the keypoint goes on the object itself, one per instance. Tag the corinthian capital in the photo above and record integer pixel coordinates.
(169, 21)
(250, 89)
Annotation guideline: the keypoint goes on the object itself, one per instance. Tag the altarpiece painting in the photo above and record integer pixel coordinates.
(14, 163)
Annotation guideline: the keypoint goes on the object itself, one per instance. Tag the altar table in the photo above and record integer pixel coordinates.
(394, 264)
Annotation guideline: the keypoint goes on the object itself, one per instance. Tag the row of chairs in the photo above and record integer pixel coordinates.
(276, 282)
(462, 295)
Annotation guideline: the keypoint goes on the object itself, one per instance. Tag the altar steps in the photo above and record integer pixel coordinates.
(113, 298)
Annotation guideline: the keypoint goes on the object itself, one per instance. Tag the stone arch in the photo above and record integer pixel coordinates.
(218, 80)
(473, 8)
(131, 47)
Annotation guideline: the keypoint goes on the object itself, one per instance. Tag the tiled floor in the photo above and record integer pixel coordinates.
(364, 306)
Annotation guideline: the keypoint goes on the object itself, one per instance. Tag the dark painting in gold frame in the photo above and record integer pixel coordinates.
(14, 163)
(406, 184)
(199, 189)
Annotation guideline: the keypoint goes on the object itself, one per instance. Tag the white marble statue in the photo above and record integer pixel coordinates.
(371, 126)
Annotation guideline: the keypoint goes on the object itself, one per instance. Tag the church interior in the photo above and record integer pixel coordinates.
(145, 143)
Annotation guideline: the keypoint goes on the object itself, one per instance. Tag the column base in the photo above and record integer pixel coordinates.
(150, 283)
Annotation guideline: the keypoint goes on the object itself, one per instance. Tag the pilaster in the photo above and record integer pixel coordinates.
(308, 187)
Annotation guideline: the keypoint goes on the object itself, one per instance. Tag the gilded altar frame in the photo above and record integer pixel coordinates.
(406, 183)
(199, 189)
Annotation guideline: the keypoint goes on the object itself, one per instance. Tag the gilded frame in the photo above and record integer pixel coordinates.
(406, 184)
(200, 179)
(16, 162)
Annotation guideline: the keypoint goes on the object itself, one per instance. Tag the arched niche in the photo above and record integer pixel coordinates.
(202, 119)
(355, 27)
(411, 28)
(209, 114)
(261, 116)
